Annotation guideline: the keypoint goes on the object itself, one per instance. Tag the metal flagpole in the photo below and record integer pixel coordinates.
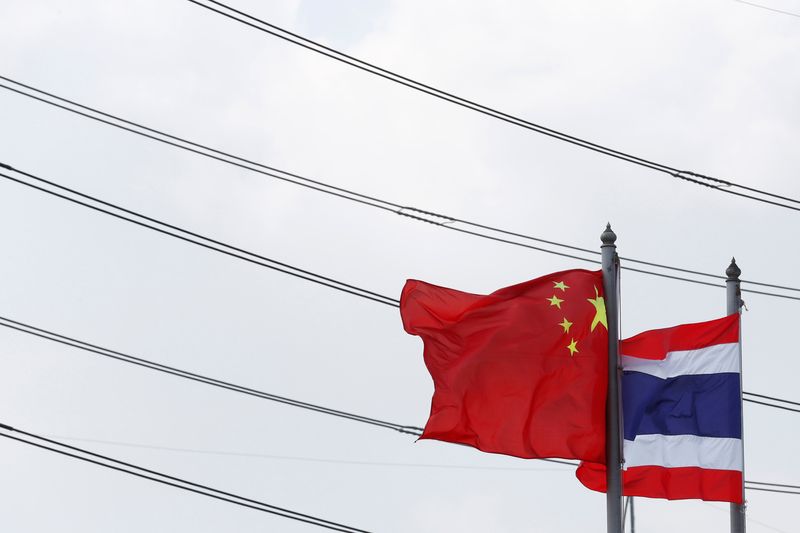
(633, 518)
(734, 302)
(610, 266)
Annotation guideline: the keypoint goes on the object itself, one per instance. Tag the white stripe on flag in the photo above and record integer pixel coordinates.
(673, 451)
(712, 360)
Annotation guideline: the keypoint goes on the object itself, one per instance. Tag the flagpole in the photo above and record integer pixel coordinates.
(734, 303)
(610, 267)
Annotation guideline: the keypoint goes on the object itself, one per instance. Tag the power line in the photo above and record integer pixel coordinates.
(358, 463)
(762, 489)
(145, 363)
(209, 244)
(177, 372)
(298, 40)
(259, 259)
(307, 459)
(772, 398)
(439, 220)
(797, 487)
(760, 6)
(192, 376)
(169, 480)
(194, 146)
(111, 463)
(771, 405)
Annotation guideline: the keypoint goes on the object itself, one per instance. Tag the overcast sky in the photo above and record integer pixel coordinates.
(708, 86)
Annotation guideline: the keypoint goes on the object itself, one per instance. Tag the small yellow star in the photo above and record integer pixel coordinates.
(560, 285)
(600, 310)
(573, 347)
(566, 324)
(555, 301)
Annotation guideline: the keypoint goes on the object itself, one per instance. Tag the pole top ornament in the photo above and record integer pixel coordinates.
(733, 271)
(608, 237)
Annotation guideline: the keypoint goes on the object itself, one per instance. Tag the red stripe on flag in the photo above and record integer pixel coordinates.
(656, 343)
(669, 483)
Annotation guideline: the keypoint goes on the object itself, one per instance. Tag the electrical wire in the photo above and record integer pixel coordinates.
(762, 489)
(260, 260)
(772, 405)
(195, 235)
(298, 40)
(236, 252)
(196, 148)
(358, 463)
(443, 221)
(783, 485)
(173, 481)
(323, 460)
(209, 244)
(772, 398)
(177, 372)
(760, 6)
(185, 374)
(145, 363)
(229, 497)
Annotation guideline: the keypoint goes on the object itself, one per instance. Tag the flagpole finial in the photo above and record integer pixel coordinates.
(733, 271)
(608, 236)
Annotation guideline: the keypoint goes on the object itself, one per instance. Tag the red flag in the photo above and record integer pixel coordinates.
(521, 371)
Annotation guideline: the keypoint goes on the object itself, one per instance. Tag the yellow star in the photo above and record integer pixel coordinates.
(566, 324)
(555, 301)
(600, 310)
(560, 285)
(573, 347)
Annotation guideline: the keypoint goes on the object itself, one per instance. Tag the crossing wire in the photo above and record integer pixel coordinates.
(443, 221)
(298, 40)
(172, 481)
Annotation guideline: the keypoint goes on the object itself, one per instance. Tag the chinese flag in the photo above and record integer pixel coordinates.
(521, 371)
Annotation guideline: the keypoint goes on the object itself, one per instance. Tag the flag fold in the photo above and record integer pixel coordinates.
(521, 371)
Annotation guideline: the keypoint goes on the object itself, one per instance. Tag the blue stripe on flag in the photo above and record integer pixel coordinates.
(707, 405)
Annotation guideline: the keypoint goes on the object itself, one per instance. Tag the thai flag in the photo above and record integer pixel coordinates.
(682, 414)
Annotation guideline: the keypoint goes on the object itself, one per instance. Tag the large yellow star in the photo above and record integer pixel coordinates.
(555, 301)
(600, 310)
(573, 347)
(566, 324)
(560, 285)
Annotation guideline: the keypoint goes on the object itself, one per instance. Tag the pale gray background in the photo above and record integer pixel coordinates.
(710, 86)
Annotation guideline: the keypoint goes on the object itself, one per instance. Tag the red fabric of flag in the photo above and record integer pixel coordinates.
(521, 371)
